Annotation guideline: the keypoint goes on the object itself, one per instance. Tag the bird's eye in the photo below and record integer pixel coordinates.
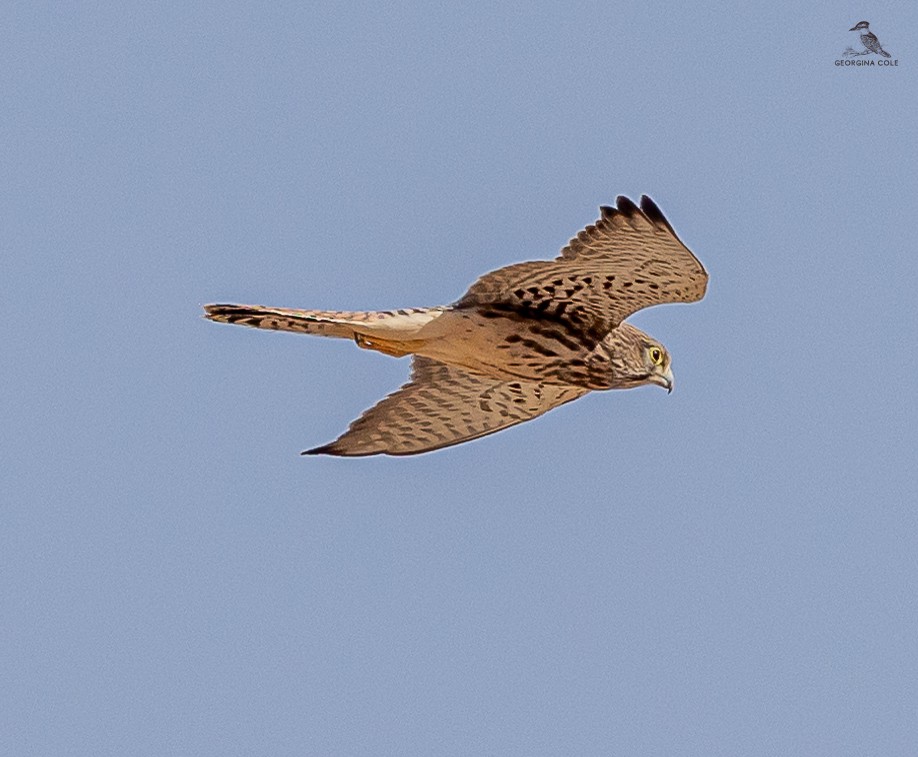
(656, 355)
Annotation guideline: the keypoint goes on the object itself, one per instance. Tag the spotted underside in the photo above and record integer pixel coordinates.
(444, 405)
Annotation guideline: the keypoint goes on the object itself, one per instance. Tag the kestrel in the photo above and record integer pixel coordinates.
(524, 339)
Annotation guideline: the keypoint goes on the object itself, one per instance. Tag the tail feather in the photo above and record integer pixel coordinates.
(334, 323)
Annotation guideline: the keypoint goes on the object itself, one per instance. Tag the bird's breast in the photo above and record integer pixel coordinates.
(508, 345)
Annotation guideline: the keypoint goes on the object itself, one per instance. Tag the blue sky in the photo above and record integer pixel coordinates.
(726, 570)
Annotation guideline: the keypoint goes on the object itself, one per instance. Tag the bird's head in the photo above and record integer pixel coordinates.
(858, 26)
(640, 359)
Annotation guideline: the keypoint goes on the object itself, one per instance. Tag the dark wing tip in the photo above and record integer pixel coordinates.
(654, 214)
(626, 206)
(333, 449)
(325, 449)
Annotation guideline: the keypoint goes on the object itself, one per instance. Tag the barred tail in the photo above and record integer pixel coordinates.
(334, 323)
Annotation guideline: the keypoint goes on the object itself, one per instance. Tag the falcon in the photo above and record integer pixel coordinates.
(524, 339)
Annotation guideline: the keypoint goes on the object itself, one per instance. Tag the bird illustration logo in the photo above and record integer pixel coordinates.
(868, 40)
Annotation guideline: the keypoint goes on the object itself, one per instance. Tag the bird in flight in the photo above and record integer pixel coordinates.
(524, 339)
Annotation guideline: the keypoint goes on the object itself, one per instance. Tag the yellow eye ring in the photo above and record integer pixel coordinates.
(656, 355)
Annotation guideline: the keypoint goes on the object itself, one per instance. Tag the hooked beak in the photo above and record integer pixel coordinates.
(665, 380)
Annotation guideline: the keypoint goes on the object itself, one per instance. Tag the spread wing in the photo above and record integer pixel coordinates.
(443, 405)
(628, 260)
